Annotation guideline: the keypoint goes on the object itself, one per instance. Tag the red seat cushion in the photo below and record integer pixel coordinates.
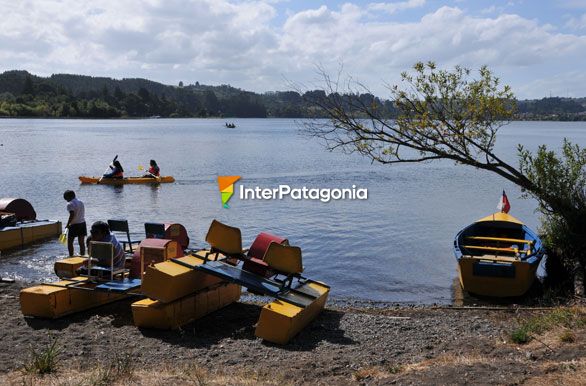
(262, 242)
(257, 250)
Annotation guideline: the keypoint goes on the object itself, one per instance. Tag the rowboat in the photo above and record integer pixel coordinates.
(126, 180)
(497, 256)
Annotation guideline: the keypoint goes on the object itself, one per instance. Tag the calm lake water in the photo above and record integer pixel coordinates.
(396, 246)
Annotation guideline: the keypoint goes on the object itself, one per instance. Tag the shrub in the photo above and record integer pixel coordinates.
(568, 337)
(43, 361)
(521, 335)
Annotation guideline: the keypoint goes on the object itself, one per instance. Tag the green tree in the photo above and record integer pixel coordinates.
(118, 94)
(28, 87)
(449, 114)
(561, 182)
(211, 102)
(144, 94)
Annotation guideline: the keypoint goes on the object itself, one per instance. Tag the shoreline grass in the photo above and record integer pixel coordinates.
(568, 318)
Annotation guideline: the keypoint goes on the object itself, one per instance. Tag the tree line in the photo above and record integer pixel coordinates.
(77, 96)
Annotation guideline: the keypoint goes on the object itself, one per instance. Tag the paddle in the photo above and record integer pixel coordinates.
(63, 237)
(107, 170)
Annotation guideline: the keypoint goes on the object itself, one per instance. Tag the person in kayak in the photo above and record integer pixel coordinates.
(76, 226)
(100, 231)
(154, 171)
(116, 171)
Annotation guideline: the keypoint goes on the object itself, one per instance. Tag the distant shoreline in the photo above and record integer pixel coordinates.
(233, 118)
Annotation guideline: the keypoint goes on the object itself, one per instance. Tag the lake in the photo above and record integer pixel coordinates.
(396, 246)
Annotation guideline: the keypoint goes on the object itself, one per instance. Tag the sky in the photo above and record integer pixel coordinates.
(537, 47)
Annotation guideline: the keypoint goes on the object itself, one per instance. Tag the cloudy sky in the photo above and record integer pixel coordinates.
(538, 47)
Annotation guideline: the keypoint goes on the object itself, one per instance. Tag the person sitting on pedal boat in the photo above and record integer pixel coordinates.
(100, 231)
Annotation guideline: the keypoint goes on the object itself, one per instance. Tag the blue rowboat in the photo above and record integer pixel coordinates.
(497, 256)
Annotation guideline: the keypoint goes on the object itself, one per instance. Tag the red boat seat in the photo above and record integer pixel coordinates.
(257, 251)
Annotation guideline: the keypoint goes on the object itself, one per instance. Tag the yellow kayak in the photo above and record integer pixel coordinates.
(126, 180)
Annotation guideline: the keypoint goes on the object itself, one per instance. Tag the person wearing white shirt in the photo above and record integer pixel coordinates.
(76, 223)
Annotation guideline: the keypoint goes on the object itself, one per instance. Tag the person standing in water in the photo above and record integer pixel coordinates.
(76, 223)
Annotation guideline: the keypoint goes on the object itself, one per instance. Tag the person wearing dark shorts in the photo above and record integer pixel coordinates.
(76, 223)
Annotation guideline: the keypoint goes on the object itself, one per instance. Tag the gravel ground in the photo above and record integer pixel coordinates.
(345, 345)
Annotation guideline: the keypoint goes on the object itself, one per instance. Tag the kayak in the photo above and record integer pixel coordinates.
(497, 256)
(126, 180)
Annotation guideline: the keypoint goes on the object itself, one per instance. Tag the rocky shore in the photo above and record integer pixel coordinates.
(345, 345)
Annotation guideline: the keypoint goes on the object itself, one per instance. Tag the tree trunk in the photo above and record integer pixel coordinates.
(579, 281)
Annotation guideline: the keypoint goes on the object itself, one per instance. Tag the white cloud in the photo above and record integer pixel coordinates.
(246, 44)
(447, 35)
(577, 23)
(396, 6)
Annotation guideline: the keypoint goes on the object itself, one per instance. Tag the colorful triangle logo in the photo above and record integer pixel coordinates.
(226, 185)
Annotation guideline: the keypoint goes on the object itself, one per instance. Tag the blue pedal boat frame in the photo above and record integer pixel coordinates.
(226, 241)
(281, 289)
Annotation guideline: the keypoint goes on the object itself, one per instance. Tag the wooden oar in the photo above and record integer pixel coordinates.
(486, 238)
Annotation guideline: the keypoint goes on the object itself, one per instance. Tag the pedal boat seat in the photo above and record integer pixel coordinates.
(256, 253)
(225, 240)
(108, 279)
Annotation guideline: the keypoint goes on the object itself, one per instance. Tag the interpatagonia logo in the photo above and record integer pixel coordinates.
(226, 185)
(303, 193)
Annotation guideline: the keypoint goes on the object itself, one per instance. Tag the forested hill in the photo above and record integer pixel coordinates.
(64, 95)
(78, 96)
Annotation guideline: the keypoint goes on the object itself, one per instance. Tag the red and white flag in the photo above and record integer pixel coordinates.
(504, 206)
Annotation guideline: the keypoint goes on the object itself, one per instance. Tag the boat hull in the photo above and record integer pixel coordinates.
(55, 300)
(126, 181)
(149, 313)
(25, 233)
(496, 279)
